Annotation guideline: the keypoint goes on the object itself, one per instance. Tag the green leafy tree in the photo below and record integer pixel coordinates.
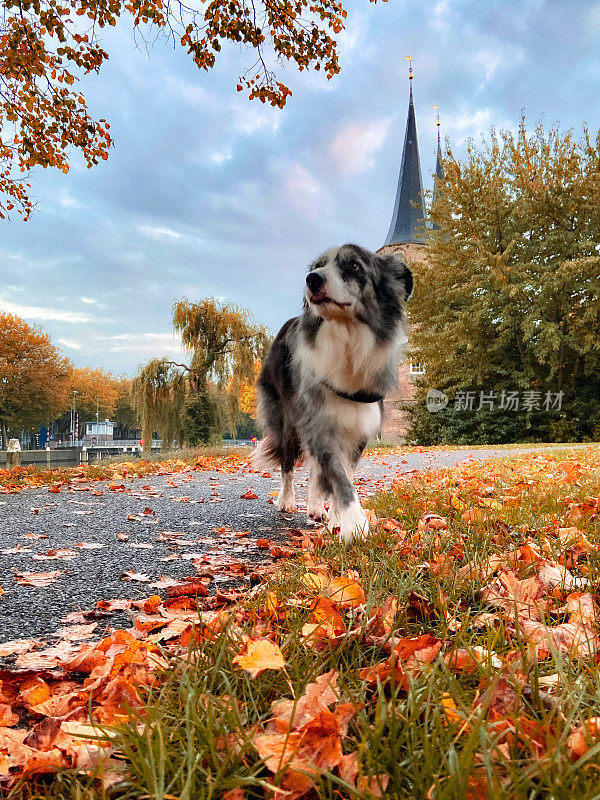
(201, 417)
(509, 295)
(224, 343)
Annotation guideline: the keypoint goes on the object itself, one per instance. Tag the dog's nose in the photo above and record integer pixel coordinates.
(314, 281)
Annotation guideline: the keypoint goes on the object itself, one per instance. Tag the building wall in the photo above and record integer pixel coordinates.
(395, 421)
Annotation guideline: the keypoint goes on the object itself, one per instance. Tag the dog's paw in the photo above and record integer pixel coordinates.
(317, 513)
(349, 523)
(286, 502)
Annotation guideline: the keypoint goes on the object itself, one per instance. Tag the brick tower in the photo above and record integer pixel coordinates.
(406, 236)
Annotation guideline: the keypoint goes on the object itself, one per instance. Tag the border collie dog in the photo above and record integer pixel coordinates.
(322, 385)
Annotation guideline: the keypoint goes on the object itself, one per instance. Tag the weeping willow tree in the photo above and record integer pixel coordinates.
(191, 401)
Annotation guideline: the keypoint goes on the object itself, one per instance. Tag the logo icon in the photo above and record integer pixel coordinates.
(436, 401)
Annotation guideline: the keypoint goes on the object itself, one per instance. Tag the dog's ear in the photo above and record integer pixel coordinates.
(396, 269)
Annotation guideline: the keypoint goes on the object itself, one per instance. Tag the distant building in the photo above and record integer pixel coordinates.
(406, 236)
(98, 433)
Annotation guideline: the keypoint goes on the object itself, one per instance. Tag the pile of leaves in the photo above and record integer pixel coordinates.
(19, 478)
(452, 654)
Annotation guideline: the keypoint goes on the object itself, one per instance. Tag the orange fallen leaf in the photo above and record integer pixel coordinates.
(472, 515)
(583, 737)
(457, 503)
(315, 580)
(131, 575)
(433, 522)
(258, 655)
(191, 589)
(37, 578)
(347, 593)
(451, 715)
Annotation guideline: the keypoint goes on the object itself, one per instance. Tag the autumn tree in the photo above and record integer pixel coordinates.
(47, 45)
(247, 396)
(508, 298)
(34, 377)
(182, 401)
(96, 390)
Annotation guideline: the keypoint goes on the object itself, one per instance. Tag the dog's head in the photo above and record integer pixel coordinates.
(350, 282)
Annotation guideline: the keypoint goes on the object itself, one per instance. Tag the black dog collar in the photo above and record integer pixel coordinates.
(358, 397)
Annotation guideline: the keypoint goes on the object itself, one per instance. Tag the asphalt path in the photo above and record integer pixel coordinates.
(189, 526)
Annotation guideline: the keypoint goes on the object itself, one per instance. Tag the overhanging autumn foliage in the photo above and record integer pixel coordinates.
(47, 45)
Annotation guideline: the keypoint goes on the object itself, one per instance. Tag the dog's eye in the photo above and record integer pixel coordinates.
(354, 266)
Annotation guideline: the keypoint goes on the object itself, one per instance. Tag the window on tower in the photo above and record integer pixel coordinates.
(417, 368)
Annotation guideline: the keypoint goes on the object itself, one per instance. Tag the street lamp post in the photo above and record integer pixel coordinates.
(73, 419)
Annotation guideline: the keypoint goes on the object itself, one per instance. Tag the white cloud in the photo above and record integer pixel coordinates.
(354, 147)
(158, 233)
(487, 62)
(302, 190)
(39, 312)
(191, 93)
(146, 344)
(441, 14)
(67, 200)
(133, 336)
(354, 33)
(253, 117)
(221, 155)
(70, 344)
(473, 125)
(92, 302)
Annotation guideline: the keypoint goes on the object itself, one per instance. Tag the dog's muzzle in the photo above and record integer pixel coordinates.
(315, 282)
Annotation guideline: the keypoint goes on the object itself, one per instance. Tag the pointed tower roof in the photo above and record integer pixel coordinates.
(438, 175)
(408, 217)
(439, 169)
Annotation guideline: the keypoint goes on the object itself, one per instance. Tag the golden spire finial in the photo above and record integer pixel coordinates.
(410, 69)
(437, 112)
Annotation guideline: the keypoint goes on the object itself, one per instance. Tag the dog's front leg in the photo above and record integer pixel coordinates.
(316, 496)
(286, 500)
(346, 514)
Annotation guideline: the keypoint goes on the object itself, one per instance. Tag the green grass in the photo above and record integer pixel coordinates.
(195, 741)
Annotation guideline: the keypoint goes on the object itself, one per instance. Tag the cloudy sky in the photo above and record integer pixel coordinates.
(206, 193)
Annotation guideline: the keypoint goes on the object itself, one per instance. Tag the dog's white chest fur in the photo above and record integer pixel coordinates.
(348, 357)
(356, 420)
(345, 355)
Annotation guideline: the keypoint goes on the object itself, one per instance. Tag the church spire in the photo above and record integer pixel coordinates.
(439, 169)
(408, 214)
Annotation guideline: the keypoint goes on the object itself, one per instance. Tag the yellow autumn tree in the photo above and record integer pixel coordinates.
(247, 393)
(97, 390)
(34, 376)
